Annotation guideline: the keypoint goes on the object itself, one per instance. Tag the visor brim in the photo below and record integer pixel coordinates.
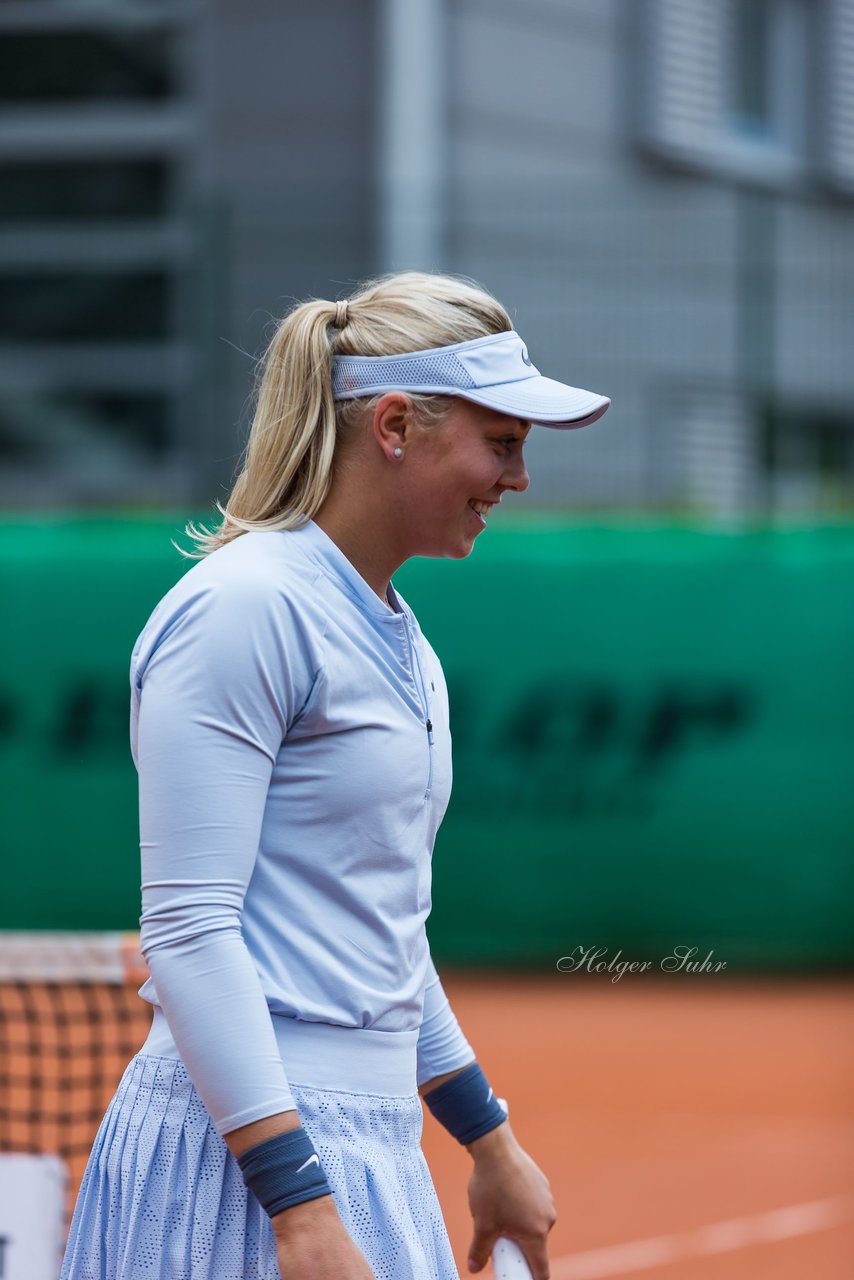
(541, 401)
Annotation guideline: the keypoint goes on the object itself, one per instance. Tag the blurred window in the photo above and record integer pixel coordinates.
(71, 190)
(768, 101)
(726, 86)
(85, 447)
(42, 427)
(64, 66)
(83, 307)
(808, 460)
(98, 252)
(753, 64)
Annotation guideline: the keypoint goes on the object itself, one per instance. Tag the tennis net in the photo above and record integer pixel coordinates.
(70, 1021)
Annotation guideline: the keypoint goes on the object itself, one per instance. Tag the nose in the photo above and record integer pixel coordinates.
(516, 474)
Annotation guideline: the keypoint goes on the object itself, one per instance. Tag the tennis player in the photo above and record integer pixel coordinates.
(289, 723)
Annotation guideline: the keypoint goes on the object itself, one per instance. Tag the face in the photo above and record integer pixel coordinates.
(457, 473)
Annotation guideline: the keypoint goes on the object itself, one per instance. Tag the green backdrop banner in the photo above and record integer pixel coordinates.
(652, 729)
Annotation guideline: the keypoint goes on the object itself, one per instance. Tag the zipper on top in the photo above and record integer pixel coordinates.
(416, 666)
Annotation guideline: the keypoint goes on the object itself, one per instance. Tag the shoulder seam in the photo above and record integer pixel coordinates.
(322, 666)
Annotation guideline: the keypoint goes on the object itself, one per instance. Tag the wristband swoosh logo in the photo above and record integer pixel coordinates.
(311, 1160)
(489, 1095)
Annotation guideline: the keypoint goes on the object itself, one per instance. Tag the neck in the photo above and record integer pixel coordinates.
(363, 541)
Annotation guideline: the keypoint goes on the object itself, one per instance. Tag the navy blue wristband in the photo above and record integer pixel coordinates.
(466, 1105)
(284, 1171)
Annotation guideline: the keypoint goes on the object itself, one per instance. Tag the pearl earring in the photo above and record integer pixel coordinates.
(398, 453)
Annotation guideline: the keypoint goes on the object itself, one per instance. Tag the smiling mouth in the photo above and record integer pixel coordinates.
(481, 510)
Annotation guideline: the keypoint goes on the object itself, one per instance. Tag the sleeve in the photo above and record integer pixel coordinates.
(441, 1044)
(223, 681)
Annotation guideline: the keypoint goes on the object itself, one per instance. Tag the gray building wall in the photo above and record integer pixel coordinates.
(197, 166)
(693, 292)
(286, 169)
(581, 158)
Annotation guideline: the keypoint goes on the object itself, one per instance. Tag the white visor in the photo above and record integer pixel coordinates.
(495, 371)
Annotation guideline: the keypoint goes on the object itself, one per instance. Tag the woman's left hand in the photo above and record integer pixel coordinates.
(509, 1196)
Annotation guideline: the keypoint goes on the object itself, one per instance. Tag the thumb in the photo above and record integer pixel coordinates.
(479, 1250)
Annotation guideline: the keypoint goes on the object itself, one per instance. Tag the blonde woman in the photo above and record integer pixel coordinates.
(290, 730)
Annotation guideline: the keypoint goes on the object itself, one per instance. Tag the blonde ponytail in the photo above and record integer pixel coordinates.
(288, 461)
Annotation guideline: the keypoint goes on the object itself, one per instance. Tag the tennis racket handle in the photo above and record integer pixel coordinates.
(508, 1261)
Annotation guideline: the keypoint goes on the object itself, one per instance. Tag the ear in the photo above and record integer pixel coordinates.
(392, 422)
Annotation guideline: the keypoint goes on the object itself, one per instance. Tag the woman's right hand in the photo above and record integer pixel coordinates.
(312, 1244)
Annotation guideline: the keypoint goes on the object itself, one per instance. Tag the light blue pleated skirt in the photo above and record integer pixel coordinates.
(162, 1197)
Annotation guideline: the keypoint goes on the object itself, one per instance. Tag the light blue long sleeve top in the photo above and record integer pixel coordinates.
(291, 737)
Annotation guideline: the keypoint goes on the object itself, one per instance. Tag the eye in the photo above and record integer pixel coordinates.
(507, 441)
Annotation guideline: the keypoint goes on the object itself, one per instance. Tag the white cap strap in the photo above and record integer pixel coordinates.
(500, 357)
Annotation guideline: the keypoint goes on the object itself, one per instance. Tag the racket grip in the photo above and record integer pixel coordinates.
(508, 1260)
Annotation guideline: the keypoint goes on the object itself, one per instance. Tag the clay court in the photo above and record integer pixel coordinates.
(691, 1127)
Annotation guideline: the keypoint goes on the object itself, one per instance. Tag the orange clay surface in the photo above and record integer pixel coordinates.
(691, 1125)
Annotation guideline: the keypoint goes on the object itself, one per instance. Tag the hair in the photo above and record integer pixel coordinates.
(287, 465)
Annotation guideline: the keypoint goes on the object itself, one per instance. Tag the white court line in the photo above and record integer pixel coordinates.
(715, 1237)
